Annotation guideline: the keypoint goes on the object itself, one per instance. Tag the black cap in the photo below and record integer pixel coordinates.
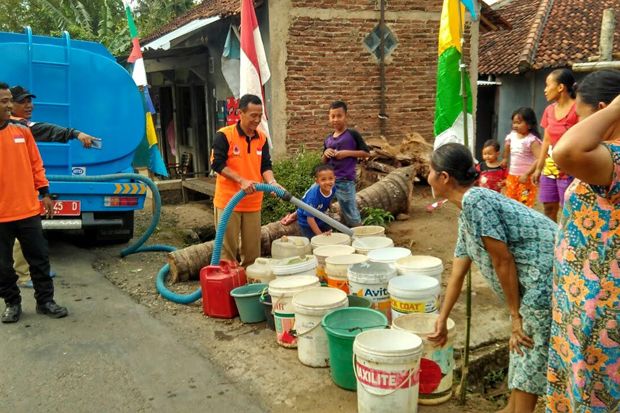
(20, 93)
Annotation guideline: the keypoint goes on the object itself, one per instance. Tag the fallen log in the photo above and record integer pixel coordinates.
(392, 193)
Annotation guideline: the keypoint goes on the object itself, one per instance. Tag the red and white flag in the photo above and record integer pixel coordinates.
(254, 70)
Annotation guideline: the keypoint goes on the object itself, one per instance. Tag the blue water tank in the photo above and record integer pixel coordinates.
(77, 84)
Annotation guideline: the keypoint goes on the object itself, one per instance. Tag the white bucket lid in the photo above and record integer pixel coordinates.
(293, 265)
(388, 255)
(370, 272)
(372, 243)
(288, 286)
(335, 238)
(363, 230)
(422, 263)
(348, 259)
(417, 284)
(331, 250)
(422, 324)
(318, 300)
(387, 345)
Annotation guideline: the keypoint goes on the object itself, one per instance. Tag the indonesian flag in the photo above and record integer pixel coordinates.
(254, 70)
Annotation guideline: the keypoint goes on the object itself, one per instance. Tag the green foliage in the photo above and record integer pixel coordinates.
(97, 20)
(295, 174)
(376, 216)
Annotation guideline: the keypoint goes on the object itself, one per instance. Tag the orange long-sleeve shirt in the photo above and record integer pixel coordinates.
(21, 173)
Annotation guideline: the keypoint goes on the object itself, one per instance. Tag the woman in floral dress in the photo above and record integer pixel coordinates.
(584, 357)
(512, 245)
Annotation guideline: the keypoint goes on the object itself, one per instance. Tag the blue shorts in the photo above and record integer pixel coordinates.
(306, 231)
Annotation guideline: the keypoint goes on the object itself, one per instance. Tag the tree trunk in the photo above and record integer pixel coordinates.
(392, 194)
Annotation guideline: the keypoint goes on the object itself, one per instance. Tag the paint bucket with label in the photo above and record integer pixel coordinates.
(366, 244)
(420, 265)
(282, 291)
(310, 306)
(437, 364)
(337, 268)
(342, 326)
(387, 369)
(413, 294)
(326, 251)
(370, 280)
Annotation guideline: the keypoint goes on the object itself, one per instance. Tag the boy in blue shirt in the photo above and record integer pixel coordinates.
(341, 150)
(319, 196)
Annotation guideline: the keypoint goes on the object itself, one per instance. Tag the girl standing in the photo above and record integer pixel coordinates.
(584, 356)
(557, 119)
(521, 150)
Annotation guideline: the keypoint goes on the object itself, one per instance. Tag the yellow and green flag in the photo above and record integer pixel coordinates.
(449, 113)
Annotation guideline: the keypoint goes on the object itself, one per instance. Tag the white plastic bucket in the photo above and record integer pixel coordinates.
(310, 306)
(413, 294)
(294, 266)
(370, 280)
(437, 364)
(421, 265)
(368, 231)
(366, 244)
(337, 268)
(260, 271)
(388, 255)
(282, 291)
(387, 369)
(290, 246)
(322, 253)
(335, 238)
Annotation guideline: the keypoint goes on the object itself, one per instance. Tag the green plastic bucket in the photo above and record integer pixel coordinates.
(357, 301)
(342, 326)
(247, 298)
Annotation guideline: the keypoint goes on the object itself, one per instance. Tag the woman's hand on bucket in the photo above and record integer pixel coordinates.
(518, 337)
(440, 336)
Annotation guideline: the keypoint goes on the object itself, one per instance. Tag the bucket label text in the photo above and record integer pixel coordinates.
(387, 380)
(414, 307)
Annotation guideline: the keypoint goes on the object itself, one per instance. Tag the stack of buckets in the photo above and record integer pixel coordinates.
(391, 369)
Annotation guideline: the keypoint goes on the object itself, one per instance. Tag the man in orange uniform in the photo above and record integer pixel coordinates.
(241, 159)
(22, 179)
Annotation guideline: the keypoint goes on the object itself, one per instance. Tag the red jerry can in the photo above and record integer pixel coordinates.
(217, 281)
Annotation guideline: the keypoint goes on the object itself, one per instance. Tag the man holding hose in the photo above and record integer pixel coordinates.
(241, 158)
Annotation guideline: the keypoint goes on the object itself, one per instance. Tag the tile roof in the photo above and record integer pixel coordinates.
(206, 9)
(545, 34)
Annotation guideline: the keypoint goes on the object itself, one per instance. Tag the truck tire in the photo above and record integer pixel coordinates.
(112, 235)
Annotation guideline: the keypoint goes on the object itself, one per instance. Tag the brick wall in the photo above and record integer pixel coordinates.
(326, 60)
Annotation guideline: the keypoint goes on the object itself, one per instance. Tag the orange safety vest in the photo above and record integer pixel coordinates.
(244, 161)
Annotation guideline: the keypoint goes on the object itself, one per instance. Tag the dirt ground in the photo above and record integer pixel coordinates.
(248, 354)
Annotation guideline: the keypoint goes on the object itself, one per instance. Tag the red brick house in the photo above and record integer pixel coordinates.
(318, 51)
(545, 35)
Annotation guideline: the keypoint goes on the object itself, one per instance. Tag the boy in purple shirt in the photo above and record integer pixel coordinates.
(341, 150)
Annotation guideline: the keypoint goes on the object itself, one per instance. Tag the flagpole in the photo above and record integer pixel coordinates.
(464, 78)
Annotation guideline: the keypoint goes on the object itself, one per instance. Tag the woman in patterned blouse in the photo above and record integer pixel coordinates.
(584, 357)
(512, 245)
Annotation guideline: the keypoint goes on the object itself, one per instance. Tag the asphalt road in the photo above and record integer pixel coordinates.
(108, 355)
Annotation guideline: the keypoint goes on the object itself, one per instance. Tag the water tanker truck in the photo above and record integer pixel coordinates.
(79, 84)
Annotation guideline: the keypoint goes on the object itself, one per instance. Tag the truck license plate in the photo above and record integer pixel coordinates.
(65, 208)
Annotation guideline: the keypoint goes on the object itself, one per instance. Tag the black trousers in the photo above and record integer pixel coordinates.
(29, 232)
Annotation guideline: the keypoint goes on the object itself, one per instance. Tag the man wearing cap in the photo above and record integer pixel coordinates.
(42, 131)
(22, 181)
